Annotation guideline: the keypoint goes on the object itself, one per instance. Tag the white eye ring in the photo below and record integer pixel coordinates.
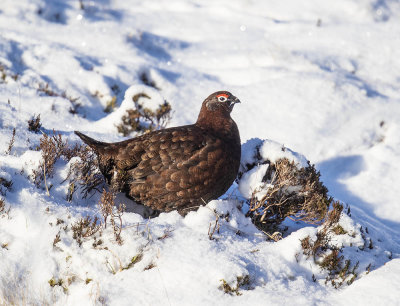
(222, 99)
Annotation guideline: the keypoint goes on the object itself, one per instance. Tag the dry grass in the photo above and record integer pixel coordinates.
(216, 227)
(85, 228)
(134, 260)
(289, 192)
(84, 173)
(11, 143)
(109, 211)
(143, 119)
(52, 148)
(89, 226)
(4, 212)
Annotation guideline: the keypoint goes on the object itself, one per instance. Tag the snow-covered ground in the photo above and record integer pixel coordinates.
(320, 77)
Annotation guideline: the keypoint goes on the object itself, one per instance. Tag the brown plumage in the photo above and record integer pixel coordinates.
(177, 168)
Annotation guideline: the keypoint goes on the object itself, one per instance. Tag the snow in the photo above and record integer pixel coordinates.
(365, 289)
(319, 78)
(252, 181)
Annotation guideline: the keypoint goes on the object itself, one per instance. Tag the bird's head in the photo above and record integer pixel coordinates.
(220, 101)
(216, 110)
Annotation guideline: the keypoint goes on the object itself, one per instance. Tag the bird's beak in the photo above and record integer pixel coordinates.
(234, 100)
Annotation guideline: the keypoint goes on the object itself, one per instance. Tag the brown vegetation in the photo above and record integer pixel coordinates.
(241, 282)
(52, 148)
(11, 143)
(142, 119)
(3, 210)
(4, 73)
(328, 256)
(289, 192)
(84, 173)
(34, 124)
(85, 228)
(5, 185)
(108, 209)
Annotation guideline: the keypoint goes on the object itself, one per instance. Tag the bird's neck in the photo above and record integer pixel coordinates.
(219, 122)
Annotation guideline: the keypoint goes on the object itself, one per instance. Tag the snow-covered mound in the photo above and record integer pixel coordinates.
(109, 123)
(279, 183)
(257, 156)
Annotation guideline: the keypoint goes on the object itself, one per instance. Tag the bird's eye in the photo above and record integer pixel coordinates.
(222, 98)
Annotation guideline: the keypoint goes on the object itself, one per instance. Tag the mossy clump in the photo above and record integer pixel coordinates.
(142, 119)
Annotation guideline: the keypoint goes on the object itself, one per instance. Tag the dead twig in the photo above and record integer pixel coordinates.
(11, 144)
(216, 227)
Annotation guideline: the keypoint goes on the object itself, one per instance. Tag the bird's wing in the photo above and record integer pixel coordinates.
(179, 161)
(151, 152)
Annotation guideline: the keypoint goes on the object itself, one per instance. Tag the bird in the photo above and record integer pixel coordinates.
(178, 168)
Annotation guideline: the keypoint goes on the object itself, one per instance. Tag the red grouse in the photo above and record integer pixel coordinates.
(178, 168)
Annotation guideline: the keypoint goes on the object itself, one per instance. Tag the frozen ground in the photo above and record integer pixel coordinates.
(322, 78)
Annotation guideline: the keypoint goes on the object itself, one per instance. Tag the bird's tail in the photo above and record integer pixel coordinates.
(102, 149)
(98, 146)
